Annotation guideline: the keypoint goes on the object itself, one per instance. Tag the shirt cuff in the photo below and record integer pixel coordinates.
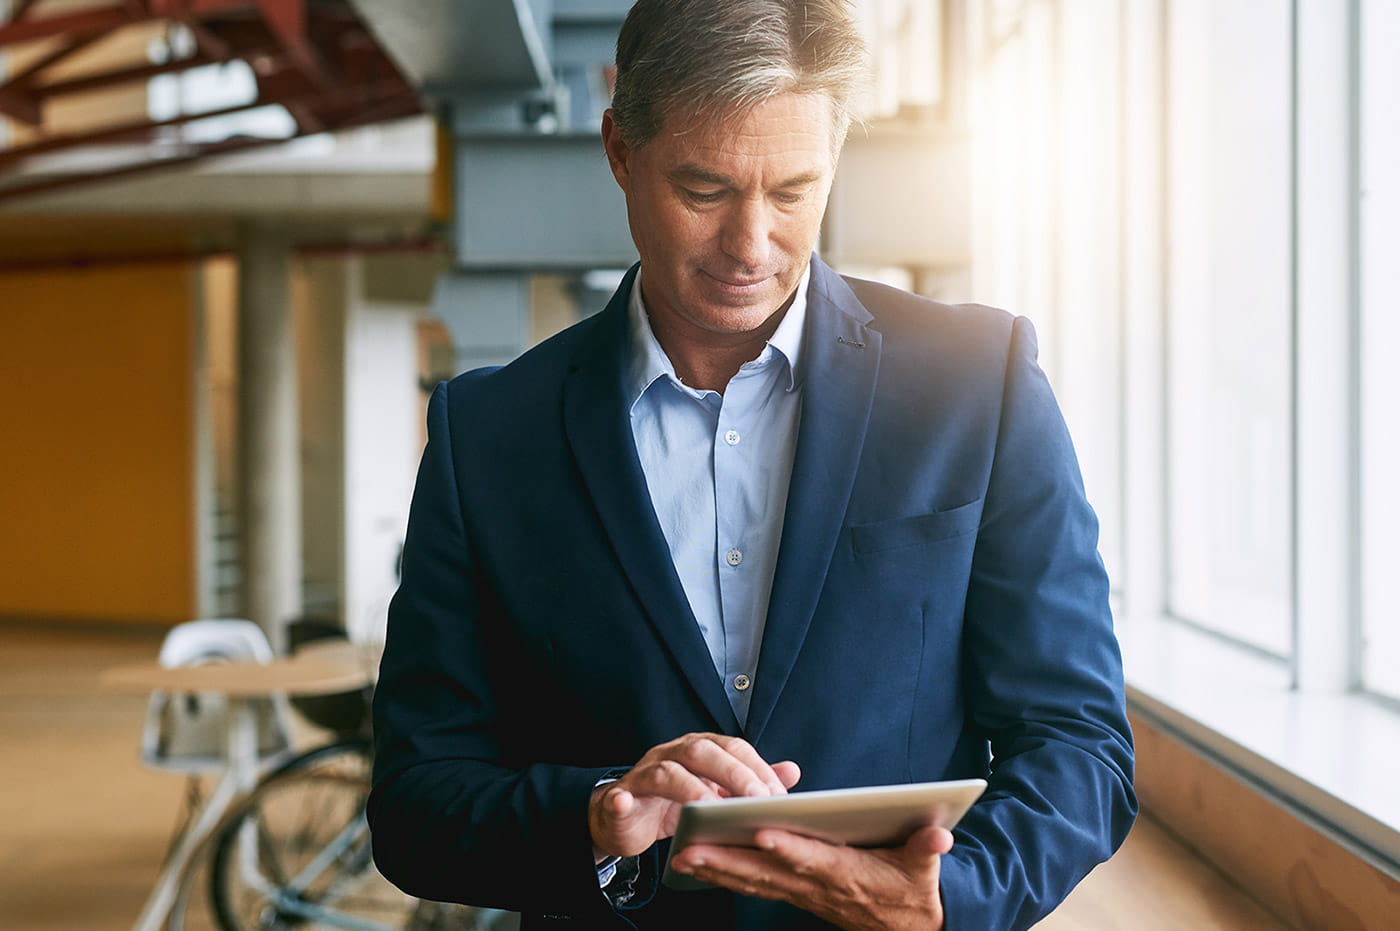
(607, 871)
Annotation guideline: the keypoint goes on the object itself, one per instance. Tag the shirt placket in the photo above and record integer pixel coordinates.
(734, 488)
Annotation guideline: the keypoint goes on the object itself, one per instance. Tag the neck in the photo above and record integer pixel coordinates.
(706, 360)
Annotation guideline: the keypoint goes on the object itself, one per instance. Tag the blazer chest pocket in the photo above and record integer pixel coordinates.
(902, 532)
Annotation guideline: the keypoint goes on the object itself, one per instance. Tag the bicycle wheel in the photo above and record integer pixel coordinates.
(352, 756)
(296, 853)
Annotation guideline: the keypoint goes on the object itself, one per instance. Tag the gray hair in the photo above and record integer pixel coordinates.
(704, 59)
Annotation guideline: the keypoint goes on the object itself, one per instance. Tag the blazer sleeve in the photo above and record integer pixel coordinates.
(450, 820)
(1042, 676)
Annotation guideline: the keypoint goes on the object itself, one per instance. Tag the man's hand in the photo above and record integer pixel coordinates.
(880, 890)
(628, 816)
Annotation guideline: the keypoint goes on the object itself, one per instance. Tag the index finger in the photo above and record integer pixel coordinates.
(744, 751)
(727, 764)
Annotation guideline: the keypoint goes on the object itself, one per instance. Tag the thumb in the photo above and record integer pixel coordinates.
(788, 773)
(928, 842)
(617, 824)
(618, 804)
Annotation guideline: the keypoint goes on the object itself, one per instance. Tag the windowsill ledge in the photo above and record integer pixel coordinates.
(1332, 758)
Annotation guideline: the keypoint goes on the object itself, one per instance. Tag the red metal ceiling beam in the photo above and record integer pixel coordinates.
(20, 105)
(289, 93)
(299, 51)
(104, 79)
(172, 9)
(205, 40)
(308, 122)
(245, 40)
(223, 147)
(21, 10)
(135, 129)
(104, 19)
(219, 40)
(401, 106)
(17, 99)
(80, 23)
(389, 108)
(28, 75)
(287, 20)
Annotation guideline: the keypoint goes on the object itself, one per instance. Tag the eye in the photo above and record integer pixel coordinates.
(703, 197)
(790, 198)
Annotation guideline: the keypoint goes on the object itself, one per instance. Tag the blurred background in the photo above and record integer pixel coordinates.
(241, 240)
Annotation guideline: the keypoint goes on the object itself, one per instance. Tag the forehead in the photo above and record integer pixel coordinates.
(787, 131)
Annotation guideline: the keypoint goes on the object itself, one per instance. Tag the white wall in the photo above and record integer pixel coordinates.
(383, 430)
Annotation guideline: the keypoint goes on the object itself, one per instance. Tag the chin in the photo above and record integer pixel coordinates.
(728, 319)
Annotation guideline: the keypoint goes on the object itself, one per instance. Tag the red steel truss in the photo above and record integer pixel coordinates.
(316, 58)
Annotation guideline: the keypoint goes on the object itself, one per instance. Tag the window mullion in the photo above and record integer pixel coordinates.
(1324, 319)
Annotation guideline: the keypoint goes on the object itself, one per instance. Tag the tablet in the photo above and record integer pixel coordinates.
(874, 816)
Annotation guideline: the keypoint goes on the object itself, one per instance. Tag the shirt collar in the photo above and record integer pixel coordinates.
(649, 361)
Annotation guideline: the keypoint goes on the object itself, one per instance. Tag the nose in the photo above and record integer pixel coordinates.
(747, 232)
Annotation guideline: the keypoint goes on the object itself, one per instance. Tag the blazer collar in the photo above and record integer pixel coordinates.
(599, 432)
(843, 361)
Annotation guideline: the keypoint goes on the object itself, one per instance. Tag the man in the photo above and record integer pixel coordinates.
(752, 527)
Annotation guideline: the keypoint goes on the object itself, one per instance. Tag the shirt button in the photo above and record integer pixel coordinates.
(742, 682)
(734, 557)
(732, 437)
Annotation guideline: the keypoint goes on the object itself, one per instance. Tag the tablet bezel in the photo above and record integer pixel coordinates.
(869, 816)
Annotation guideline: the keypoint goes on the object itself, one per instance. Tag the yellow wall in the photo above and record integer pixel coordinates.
(96, 427)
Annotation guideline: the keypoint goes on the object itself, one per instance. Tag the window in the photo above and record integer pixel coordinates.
(1254, 299)
(1228, 319)
(1046, 232)
(1379, 242)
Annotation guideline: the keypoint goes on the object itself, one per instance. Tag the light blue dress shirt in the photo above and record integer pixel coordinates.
(717, 467)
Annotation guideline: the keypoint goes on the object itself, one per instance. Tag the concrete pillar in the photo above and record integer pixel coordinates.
(269, 453)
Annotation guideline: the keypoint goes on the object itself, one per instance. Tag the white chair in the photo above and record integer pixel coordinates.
(185, 732)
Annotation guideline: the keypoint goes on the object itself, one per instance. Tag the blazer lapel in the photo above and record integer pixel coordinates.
(599, 431)
(842, 361)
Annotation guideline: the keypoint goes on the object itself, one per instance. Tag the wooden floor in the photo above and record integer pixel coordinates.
(83, 825)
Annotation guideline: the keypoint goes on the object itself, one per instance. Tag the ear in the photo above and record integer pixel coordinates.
(619, 152)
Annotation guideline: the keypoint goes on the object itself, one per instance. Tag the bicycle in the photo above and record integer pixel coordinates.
(294, 853)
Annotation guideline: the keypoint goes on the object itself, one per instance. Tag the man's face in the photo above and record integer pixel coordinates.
(725, 214)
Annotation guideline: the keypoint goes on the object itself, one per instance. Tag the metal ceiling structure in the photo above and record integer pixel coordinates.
(315, 58)
(448, 46)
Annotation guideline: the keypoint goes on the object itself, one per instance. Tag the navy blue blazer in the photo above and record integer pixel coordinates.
(939, 611)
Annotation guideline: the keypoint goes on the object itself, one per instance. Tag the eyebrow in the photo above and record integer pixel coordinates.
(695, 173)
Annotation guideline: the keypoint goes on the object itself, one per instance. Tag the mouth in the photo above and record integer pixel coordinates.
(738, 286)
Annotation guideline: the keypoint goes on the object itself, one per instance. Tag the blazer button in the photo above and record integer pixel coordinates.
(742, 682)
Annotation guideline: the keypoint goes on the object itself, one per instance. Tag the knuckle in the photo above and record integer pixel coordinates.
(670, 746)
(694, 752)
